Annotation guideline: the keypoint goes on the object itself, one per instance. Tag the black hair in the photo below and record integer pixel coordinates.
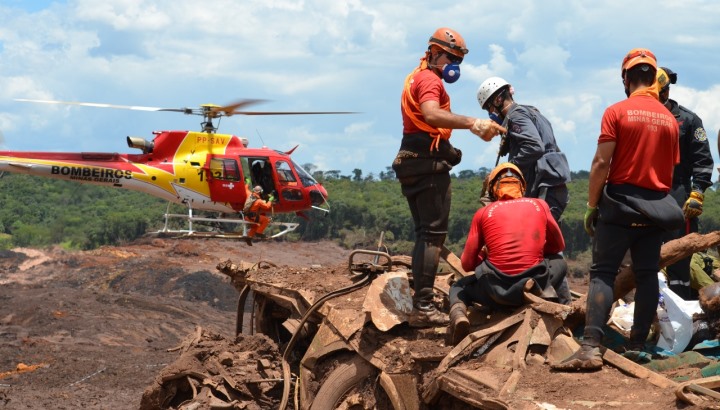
(643, 74)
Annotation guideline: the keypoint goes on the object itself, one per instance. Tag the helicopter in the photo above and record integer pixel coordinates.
(203, 170)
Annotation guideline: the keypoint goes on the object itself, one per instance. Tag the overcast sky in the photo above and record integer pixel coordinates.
(561, 56)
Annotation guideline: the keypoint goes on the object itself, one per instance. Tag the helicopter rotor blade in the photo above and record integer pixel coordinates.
(231, 109)
(290, 112)
(209, 111)
(102, 105)
(234, 109)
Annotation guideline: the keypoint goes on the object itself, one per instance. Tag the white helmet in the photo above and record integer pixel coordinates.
(488, 88)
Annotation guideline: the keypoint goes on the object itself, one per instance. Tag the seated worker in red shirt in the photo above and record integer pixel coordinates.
(255, 209)
(511, 240)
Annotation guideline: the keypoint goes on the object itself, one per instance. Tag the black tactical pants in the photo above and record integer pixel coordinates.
(471, 290)
(609, 246)
(429, 200)
(679, 272)
(557, 198)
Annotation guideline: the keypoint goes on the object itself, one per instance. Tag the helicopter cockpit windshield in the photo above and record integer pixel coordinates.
(305, 178)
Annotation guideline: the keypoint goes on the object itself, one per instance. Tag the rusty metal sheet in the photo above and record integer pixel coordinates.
(346, 321)
(469, 391)
(388, 301)
(401, 389)
(562, 346)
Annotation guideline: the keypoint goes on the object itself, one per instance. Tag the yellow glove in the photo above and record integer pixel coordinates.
(693, 205)
(591, 215)
(486, 129)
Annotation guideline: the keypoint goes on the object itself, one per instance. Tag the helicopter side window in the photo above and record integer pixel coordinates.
(225, 169)
(231, 170)
(285, 174)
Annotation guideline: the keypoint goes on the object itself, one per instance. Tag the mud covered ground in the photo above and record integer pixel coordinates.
(98, 324)
(97, 328)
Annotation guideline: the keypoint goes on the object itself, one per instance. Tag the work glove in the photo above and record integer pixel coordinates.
(486, 129)
(693, 205)
(591, 215)
(271, 198)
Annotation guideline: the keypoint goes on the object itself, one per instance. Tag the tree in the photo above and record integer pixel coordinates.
(357, 174)
(310, 168)
(389, 174)
(333, 174)
(466, 173)
(579, 175)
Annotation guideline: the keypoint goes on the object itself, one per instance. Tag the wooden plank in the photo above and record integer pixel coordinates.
(454, 262)
(637, 370)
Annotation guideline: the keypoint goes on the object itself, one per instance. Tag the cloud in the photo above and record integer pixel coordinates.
(497, 66)
(327, 55)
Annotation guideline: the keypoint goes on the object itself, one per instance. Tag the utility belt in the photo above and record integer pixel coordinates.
(415, 159)
(633, 206)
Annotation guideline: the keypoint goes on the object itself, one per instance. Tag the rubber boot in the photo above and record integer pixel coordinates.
(637, 340)
(587, 358)
(426, 258)
(635, 348)
(459, 324)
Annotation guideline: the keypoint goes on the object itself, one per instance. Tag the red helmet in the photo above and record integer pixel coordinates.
(449, 40)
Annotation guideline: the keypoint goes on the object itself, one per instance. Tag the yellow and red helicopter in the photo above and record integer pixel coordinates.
(203, 170)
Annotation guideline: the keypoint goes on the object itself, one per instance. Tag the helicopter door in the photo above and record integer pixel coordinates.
(225, 180)
(261, 173)
(290, 189)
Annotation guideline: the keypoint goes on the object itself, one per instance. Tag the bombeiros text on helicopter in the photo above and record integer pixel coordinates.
(203, 170)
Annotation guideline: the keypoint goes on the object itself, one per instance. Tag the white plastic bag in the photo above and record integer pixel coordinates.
(675, 318)
(622, 316)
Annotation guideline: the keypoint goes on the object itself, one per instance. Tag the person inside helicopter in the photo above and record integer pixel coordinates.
(261, 173)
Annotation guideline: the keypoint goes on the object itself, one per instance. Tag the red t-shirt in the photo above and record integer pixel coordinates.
(518, 234)
(426, 86)
(646, 136)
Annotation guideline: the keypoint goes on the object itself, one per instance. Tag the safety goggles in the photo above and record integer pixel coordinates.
(453, 58)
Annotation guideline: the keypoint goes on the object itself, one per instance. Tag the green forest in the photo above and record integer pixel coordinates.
(39, 212)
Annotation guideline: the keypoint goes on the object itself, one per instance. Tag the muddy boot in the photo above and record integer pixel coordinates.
(248, 240)
(635, 348)
(459, 323)
(587, 358)
(425, 314)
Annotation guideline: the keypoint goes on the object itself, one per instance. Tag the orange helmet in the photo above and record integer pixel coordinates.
(502, 171)
(638, 56)
(449, 40)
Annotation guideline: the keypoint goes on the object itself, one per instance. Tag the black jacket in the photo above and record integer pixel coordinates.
(531, 146)
(696, 162)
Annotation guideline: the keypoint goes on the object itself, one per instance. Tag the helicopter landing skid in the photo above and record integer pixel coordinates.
(284, 227)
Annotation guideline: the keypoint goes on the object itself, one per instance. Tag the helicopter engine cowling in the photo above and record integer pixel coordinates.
(141, 144)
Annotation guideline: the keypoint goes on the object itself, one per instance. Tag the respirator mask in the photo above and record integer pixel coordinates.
(451, 72)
